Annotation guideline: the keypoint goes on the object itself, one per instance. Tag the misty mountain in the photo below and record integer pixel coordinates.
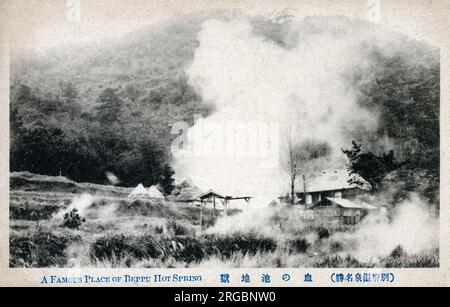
(149, 65)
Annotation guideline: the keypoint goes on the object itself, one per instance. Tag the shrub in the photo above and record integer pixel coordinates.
(73, 220)
(323, 232)
(189, 250)
(177, 228)
(336, 247)
(159, 229)
(398, 252)
(298, 245)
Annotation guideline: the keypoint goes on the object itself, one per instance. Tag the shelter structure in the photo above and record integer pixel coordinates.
(335, 197)
(334, 184)
(186, 192)
(139, 192)
(215, 197)
(154, 193)
(340, 210)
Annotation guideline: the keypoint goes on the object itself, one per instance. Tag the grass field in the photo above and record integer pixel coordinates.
(120, 232)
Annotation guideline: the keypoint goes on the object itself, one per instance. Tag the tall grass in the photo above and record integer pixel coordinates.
(39, 249)
(153, 234)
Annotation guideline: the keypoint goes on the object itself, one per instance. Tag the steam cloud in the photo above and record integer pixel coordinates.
(410, 227)
(81, 203)
(85, 206)
(251, 79)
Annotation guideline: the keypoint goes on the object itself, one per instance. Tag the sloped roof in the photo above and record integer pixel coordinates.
(209, 194)
(153, 192)
(345, 203)
(330, 181)
(139, 191)
(185, 192)
(369, 206)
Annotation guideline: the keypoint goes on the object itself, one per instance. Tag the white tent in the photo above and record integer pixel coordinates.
(139, 191)
(153, 192)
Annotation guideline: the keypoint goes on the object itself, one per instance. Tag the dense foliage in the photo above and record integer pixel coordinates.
(73, 220)
(53, 136)
(369, 166)
(403, 87)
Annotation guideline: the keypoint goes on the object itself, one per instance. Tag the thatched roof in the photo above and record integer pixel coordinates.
(211, 194)
(139, 191)
(153, 192)
(186, 191)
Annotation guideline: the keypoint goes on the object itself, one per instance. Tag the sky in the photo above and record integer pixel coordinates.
(43, 24)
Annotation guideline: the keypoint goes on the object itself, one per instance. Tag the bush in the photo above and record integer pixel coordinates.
(189, 250)
(336, 247)
(73, 220)
(398, 252)
(177, 228)
(323, 232)
(299, 245)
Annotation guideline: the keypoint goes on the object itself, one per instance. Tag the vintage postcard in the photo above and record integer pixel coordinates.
(224, 143)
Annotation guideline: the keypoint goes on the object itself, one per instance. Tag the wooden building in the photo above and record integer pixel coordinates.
(331, 198)
(340, 211)
(333, 184)
(215, 198)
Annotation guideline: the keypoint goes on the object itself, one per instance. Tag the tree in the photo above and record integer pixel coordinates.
(293, 158)
(370, 167)
(69, 99)
(108, 106)
(132, 93)
(69, 93)
(166, 179)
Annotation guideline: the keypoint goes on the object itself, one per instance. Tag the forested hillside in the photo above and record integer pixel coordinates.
(108, 107)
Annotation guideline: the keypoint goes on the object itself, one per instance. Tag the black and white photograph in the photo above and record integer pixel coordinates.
(231, 135)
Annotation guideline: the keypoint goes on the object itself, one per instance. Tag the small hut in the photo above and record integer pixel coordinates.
(340, 210)
(186, 192)
(139, 192)
(154, 193)
(334, 184)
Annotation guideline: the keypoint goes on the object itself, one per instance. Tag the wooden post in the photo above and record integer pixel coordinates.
(304, 192)
(201, 215)
(214, 207)
(226, 207)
